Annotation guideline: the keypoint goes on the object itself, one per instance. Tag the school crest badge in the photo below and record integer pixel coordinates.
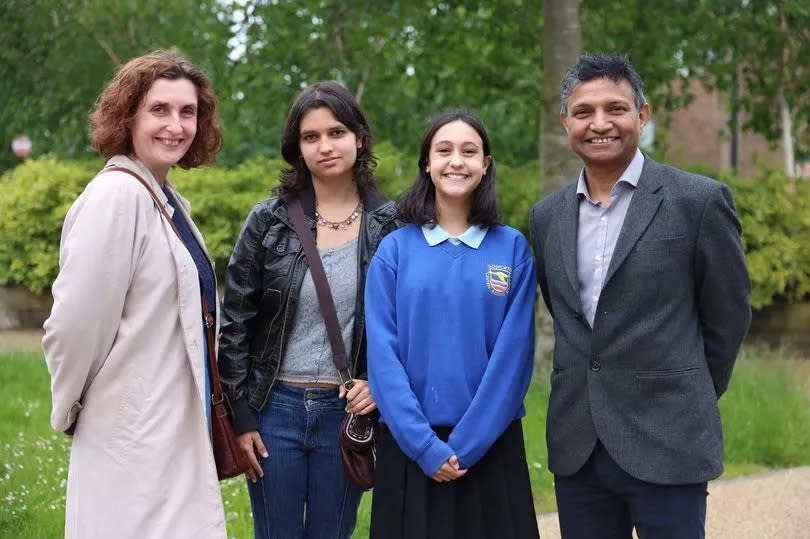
(498, 279)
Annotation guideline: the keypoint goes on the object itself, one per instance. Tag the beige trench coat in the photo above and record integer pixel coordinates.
(124, 346)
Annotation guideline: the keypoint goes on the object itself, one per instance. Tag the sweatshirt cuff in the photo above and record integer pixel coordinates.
(434, 455)
(245, 418)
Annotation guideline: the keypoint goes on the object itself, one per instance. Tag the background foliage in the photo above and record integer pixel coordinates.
(404, 61)
(775, 214)
(34, 197)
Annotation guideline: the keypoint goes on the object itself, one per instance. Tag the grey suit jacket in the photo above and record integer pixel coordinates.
(670, 320)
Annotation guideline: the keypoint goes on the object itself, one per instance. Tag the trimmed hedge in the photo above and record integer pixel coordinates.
(775, 214)
(34, 197)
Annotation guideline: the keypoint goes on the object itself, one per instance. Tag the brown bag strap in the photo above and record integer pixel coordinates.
(216, 385)
(325, 300)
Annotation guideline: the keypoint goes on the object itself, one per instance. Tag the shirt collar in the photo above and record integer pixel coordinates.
(472, 237)
(630, 176)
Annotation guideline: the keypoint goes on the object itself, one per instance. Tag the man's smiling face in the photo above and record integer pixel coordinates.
(603, 123)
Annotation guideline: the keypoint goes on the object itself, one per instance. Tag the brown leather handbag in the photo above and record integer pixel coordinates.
(229, 457)
(357, 432)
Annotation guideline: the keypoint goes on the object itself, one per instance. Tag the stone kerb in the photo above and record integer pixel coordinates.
(22, 309)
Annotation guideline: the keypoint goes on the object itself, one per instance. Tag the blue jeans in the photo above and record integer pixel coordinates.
(304, 492)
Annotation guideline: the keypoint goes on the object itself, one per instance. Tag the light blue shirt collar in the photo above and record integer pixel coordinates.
(472, 237)
(630, 175)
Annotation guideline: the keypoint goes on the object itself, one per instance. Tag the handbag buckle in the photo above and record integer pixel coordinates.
(347, 383)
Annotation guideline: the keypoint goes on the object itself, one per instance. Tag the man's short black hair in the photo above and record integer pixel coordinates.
(593, 66)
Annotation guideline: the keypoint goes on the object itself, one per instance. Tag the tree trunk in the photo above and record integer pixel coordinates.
(785, 121)
(562, 45)
(787, 133)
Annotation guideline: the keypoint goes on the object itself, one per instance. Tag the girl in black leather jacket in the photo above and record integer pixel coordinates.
(274, 356)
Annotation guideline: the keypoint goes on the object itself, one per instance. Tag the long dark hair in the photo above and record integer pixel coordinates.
(418, 204)
(336, 98)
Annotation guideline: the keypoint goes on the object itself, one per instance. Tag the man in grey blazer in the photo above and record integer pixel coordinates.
(642, 268)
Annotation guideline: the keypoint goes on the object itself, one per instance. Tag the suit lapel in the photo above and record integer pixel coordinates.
(643, 207)
(567, 226)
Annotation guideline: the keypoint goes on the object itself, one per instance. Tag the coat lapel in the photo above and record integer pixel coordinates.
(186, 274)
(567, 225)
(643, 207)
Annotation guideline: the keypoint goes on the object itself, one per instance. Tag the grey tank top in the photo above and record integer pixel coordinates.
(307, 354)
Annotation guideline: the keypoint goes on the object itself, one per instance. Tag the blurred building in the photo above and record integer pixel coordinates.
(700, 135)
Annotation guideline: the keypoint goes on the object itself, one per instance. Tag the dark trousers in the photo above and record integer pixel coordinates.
(603, 501)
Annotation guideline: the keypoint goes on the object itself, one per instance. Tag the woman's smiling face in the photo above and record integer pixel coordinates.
(165, 125)
(457, 162)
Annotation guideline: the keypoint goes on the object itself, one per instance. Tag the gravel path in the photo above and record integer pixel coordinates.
(769, 505)
(27, 339)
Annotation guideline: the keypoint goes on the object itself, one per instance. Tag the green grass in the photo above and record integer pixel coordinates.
(766, 413)
(33, 457)
(766, 417)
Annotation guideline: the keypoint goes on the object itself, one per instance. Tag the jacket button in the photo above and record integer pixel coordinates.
(595, 365)
(279, 248)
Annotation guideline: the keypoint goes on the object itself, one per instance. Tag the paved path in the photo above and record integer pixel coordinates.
(26, 339)
(764, 506)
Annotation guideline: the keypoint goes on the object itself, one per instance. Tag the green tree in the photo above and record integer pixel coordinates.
(769, 58)
(57, 55)
(664, 42)
(762, 45)
(405, 61)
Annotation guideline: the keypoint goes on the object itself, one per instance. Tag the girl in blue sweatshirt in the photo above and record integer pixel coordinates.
(449, 317)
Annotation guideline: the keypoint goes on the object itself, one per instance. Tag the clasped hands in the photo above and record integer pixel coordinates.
(449, 470)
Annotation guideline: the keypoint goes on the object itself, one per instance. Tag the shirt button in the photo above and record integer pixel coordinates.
(603, 219)
(595, 298)
(595, 365)
(597, 258)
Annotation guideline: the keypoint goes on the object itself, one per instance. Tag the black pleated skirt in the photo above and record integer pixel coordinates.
(493, 500)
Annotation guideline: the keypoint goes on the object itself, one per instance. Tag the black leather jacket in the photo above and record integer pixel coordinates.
(262, 283)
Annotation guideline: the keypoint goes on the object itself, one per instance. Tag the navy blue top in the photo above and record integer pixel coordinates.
(204, 269)
(207, 285)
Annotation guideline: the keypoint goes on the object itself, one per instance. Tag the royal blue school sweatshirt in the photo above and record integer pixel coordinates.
(450, 333)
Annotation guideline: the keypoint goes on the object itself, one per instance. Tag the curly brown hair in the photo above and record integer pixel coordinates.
(112, 116)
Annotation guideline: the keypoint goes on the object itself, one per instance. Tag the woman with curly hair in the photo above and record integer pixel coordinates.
(125, 341)
(275, 359)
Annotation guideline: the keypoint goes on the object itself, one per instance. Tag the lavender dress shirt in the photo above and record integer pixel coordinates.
(598, 231)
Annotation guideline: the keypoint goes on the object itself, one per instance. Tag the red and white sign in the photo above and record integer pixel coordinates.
(21, 146)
